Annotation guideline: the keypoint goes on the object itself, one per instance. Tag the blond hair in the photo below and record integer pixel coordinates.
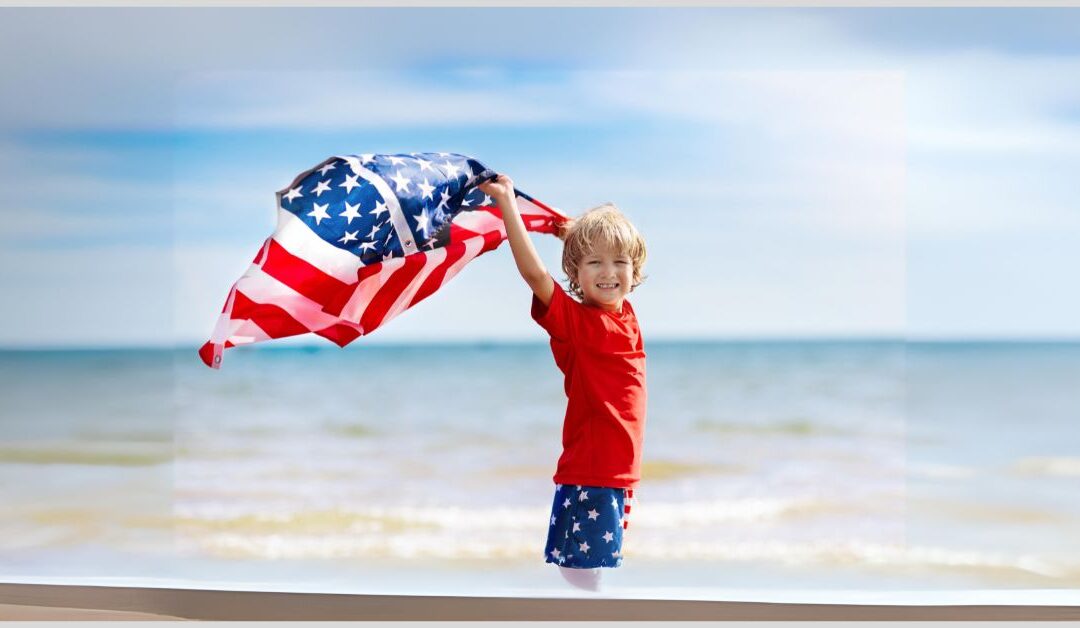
(602, 225)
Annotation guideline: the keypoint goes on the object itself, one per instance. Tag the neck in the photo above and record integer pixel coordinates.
(613, 307)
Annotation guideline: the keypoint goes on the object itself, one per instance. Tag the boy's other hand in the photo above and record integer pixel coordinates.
(501, 187)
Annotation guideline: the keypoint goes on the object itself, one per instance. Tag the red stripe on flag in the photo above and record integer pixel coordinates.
(368, 271)
(390, 291)
(340, 335)
(206, 352)
(299, 275)
(460, 234)
(336, 303)
(274, 320)
(492, 240)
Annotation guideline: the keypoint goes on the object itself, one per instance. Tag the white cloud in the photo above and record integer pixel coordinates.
(352, 100)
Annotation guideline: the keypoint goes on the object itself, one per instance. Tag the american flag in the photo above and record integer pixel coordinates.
(359, 240)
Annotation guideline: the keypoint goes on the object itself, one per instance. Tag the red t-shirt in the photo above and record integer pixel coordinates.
(603, 357)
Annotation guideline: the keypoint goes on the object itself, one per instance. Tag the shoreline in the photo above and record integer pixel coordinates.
(62, 601)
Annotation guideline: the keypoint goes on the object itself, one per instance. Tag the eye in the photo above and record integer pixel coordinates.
(622, 261)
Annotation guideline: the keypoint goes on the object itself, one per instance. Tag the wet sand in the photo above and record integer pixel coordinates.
(60, 602)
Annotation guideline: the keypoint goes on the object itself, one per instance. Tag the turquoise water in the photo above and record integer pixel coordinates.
(865, 465)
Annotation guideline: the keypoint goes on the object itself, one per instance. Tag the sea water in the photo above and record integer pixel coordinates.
(874, 465)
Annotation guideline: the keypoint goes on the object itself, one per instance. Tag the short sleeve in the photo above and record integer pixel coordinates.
(556, 317)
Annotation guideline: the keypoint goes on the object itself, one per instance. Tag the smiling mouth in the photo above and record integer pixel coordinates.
(607, 286)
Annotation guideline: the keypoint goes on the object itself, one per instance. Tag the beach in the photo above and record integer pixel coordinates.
(859, 467)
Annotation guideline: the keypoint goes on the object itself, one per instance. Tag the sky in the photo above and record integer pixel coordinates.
(900, 173)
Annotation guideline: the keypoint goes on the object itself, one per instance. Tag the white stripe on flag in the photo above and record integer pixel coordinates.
(397, 217)
(472, 249)
(432, 259)
(261, 287)
(366, 290)
(480, 222)
(298, 238)
(247, 332)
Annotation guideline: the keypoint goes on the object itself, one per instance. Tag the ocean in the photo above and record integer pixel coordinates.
(427, 468)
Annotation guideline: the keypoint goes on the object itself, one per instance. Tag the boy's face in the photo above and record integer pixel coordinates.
(605, 277)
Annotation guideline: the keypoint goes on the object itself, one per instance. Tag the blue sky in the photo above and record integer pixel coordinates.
(796, 172)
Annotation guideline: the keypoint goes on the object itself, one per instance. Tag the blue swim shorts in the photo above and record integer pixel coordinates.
(586, 526)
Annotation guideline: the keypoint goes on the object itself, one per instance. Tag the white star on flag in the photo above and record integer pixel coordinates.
(555, 553)
(327, 168)
(593, 514)
(584, 547)
(319, 212)
(293, 193)
(425, 165)
(421, 222)
(349, 237)
(321, 187)
(351, 211)
(452, 169)
(401, 181)
(380, 208)
(583, 496)
(577, 527)
(426, 188)
(608, 536)
(350, 182)
(566, 504)
(552, 519)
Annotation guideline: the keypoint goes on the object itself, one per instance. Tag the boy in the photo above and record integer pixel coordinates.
(598, 346)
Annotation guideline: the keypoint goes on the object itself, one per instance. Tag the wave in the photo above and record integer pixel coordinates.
(987, 513)
(657, 515)
(1047, 466)
(895, 559)
(118, 454)
(938, 471)
(791, 427)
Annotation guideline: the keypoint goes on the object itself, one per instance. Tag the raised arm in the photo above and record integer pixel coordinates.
(528, 262)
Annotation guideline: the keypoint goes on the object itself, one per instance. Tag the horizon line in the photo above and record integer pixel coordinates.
(474, 342)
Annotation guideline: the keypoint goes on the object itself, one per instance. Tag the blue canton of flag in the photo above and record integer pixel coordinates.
(356, 211)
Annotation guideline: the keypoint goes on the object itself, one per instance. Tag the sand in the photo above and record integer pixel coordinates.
(61, 602)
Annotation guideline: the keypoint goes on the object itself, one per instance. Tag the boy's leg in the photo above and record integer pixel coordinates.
(588, 579)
